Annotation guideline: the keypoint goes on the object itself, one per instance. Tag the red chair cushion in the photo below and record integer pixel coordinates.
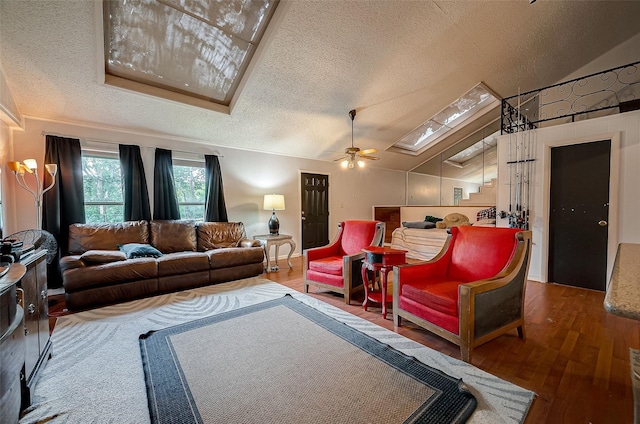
(480, 252)
(440, 294)
(333, 280)
(329, 265)
(357, 235)
(448, 322)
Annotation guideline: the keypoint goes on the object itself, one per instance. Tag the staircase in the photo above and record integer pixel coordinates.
(486, 195)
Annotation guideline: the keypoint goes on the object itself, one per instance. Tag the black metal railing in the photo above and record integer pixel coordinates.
(592, 94)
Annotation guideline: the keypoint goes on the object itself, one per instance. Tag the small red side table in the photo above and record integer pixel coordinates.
(379, 260)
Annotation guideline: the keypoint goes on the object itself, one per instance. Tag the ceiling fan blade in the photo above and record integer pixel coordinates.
(367, 151)
(368, 157)
(342, 158)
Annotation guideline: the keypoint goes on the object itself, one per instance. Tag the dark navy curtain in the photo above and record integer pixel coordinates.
(165, 202)
(63, 205)
(215, 209)
(135, 193)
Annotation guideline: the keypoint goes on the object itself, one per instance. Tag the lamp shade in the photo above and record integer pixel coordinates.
(31, 164)
(52, 169)
(273, 202)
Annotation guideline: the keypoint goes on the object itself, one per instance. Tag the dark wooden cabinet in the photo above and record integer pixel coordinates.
(390, 215)
(12, 350)
(36, 320)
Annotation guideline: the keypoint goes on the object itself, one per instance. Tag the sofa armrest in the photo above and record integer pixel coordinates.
(249, 243)
(71, 262)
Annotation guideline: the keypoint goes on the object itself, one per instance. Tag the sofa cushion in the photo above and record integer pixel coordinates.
(227, 257)
(103, 256)
(170, 236)
(182, 263)
(138, 250)
(83, 237)
(110, 274)
(214, 235)
(329, 265)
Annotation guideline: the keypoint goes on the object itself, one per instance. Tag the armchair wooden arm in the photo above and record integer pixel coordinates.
(484, 308)
(496, 305)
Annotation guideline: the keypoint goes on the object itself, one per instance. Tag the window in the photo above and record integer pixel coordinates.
(190, 187)
(473, 104)
(102, 182)
(191, 51)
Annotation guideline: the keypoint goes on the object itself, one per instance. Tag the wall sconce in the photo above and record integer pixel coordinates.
(274, 202)
(31, 166)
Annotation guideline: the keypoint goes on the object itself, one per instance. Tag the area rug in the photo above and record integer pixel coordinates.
(260, 363)
(96, 374)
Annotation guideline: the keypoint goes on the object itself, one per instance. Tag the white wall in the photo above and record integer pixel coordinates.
(624, 221)
(246, 175)
(4, 172)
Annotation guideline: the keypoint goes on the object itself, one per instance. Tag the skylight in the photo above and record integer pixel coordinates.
(474, 103)
(197, 48)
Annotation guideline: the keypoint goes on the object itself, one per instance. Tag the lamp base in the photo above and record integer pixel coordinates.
(274, 225)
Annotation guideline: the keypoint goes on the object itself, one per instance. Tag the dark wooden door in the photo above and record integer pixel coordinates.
(579, 213)
(315, 210)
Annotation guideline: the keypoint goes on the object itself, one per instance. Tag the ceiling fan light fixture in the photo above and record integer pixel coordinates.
(354, 155)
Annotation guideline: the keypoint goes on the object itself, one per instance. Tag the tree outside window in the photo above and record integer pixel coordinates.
(190, 188)
(102, 180)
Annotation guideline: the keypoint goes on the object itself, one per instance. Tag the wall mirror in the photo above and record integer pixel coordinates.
(449, 177)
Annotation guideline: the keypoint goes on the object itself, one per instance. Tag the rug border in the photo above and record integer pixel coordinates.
(400, 361)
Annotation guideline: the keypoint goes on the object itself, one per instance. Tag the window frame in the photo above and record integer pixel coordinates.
(89, 153)
(190, 163)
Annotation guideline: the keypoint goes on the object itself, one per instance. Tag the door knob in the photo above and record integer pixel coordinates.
(602, 223)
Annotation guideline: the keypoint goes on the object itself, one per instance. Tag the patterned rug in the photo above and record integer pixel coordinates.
(260, 363)
(96, 373)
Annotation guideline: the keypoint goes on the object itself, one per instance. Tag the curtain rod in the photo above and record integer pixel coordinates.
(44, 133)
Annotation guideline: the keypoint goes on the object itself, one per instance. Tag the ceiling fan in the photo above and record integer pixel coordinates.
(353, 155)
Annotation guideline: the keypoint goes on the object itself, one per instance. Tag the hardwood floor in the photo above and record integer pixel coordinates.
(575, 357)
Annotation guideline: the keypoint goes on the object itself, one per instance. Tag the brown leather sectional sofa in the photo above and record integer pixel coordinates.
(96, 272)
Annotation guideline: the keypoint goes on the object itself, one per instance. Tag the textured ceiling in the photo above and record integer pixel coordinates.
(396, 62)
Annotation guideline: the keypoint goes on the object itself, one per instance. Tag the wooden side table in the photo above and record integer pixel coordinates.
(268, 240)
(379, 260)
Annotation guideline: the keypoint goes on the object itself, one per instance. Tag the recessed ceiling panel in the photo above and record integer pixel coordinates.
(195, 47)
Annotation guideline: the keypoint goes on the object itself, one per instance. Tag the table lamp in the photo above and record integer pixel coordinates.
(274, 202)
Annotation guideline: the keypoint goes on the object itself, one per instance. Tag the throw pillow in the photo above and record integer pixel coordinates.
(137, 250)
(433, 219)
(424, 225)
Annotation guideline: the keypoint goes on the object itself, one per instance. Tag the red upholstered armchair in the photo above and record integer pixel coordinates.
(336, 267)
(472, 291)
